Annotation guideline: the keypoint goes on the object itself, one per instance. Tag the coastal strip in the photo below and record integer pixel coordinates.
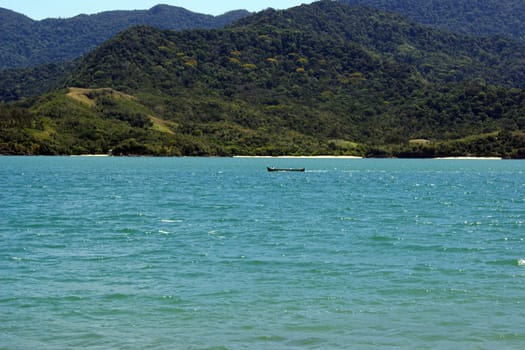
(301, 157)
(470, 158)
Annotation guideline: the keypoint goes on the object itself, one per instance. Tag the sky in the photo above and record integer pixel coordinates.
(40, 9)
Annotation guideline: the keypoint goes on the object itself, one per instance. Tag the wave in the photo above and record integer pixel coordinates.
(508, 262)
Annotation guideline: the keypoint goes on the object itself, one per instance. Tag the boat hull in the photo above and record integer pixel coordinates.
(272, 169)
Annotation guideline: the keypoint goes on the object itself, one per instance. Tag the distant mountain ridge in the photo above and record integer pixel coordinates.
(25, 42)
(28, 43)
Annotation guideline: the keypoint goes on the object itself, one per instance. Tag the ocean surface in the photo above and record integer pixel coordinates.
(218, 253)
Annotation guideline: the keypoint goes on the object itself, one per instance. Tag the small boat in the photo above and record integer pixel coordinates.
(284, 169)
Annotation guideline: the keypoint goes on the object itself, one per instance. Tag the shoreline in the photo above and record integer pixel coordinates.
(356, 157)
(301, 157)
(469, 158)
(91, 155)
(264, 157)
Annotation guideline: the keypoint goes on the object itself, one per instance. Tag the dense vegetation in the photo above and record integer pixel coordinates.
(33, 81)
(324, 78)
(25, 43)
(477, 17)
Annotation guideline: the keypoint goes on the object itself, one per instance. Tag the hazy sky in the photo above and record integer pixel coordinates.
(39, 9)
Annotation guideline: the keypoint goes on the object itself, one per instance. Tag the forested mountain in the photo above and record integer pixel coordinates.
(475, 17)
(24, 42)
(325, 78)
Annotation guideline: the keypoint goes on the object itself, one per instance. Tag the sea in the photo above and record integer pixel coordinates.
(218, 253)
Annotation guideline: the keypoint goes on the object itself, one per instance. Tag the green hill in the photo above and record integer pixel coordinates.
(324, 78)
(26, 43)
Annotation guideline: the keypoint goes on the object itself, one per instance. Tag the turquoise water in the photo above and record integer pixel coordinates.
(188, 253)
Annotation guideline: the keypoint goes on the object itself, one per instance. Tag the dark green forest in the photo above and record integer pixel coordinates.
(26, 43)
(475, 17)
(325, 78)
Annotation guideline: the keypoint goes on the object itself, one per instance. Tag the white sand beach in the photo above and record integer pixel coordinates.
(91, 155)
(302, 157)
